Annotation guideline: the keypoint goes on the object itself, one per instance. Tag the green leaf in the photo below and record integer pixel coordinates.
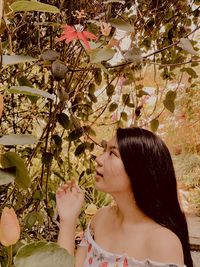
(154, 125)
(11, 159)
(43, 254)
(171, 95)
(23, 81)
(7, 175)
(16, 59)
(38, 195)
(75, 134)
(191, 72)
(25, 6)
(103, 68)
(101, 54)
(98, 77)
(141, 93)
(59, 70)
(50, 55)
(113, 107)
(126, 99)
(93, 98)
(110, 89)
(29, 91)
(64, 120)
(169, 104)
(169, 100)
(57, 139)
(30, 219)
(80, 149)
(122, 25)
(17, 139)
(47, 158)
(92, 88)
(124, 116)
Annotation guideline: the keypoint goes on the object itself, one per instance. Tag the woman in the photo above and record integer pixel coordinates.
(146, 227)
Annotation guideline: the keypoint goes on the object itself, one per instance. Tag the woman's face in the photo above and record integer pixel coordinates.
(111, 176)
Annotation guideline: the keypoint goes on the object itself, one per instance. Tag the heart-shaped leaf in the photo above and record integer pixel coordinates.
(154, 125)
(25, 6)
(50, 55)
(101, 54)
(43, 254)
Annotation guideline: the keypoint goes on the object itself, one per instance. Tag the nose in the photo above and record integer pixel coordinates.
(99, 160)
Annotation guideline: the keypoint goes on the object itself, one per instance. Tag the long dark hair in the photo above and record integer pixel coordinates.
(149, 166)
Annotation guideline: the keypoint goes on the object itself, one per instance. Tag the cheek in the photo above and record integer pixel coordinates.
(119, 177)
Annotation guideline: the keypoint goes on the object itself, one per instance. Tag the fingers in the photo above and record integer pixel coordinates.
(70, 186)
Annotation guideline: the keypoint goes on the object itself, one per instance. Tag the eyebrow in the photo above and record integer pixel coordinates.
(113, 147)
(110, 147)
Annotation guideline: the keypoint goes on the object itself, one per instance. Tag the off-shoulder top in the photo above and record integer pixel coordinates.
(98, 257)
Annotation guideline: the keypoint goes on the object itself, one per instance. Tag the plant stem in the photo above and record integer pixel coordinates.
(9, 249)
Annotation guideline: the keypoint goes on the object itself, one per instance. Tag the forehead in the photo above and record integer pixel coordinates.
(112, 142)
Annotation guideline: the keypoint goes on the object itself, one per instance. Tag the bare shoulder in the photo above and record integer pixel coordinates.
(101, 215)
(165, 246)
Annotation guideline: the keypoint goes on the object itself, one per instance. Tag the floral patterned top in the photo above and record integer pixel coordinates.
(98, 257)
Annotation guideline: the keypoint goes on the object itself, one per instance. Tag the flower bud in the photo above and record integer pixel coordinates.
(9, 227)
(91, 209)
(105, 28)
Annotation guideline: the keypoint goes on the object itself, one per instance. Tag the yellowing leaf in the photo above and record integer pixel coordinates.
(23, 6)
(16, 59)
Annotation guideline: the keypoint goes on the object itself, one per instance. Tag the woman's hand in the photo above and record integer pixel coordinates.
(69, 200)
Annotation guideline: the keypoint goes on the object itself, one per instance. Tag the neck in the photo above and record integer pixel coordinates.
(127, 211)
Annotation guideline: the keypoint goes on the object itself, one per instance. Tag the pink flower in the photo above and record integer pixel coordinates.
(125, 264)
(114, 117)
(9, 227)
(104, 264)
(105, 28)
(89, 247)
(76, 32)
(90, 261)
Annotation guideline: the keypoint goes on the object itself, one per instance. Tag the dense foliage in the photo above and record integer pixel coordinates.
(62, 85)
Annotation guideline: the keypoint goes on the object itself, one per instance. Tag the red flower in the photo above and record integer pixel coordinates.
(90, 261)
(89, 247)
(76, 32)
(125, 264)
(104, 264)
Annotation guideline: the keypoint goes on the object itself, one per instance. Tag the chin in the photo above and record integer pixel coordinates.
(100, 188)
